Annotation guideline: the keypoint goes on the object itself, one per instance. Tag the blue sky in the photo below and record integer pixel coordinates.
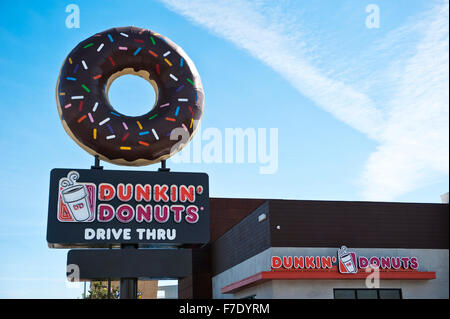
(362, 114)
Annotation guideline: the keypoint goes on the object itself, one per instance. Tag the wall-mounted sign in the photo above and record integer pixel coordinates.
(109, 207)
(346, 262)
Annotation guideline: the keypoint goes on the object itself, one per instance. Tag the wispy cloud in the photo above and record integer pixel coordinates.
(271, 40)
(409, 117)
(414, 145)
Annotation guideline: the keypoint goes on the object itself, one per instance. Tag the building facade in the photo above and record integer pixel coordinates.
(293, 249)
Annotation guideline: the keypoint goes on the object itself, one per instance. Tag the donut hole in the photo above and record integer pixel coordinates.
(130, 94)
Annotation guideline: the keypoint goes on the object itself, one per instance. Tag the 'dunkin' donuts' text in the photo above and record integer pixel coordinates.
(149, 203)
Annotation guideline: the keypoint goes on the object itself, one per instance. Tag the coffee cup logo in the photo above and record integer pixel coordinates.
(76, 200)
(347, 261)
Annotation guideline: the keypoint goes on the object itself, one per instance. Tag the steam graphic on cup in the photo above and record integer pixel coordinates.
(346, 258)
(75, 197)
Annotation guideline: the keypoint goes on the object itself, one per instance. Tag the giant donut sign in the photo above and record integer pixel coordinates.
(92, 122)
(106, 207)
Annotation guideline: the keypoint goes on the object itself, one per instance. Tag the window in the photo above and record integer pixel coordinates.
(344, 294)
(390, 294)
(367, 293)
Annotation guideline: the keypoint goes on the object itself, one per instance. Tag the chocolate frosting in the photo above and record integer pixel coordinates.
(90, 119)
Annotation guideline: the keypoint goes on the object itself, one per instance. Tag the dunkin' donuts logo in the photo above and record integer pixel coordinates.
(76, 201)
(88, 202)
(347, 261)
(109, 206)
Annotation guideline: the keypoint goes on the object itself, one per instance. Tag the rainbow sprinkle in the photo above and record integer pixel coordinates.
(104, 121)
(100, 47)
(154, 134)
(86, 88)
(137, 51)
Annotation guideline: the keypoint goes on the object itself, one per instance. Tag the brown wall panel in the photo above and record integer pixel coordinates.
(185, 290)
(227, 212)
(358, 224)
(198, 285)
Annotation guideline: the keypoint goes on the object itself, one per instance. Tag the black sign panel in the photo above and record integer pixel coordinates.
(99, 208)
(102, 264)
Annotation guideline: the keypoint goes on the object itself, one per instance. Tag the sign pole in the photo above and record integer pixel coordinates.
(163, 167)
(128, 286)
(108, 295)
(96, 163)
